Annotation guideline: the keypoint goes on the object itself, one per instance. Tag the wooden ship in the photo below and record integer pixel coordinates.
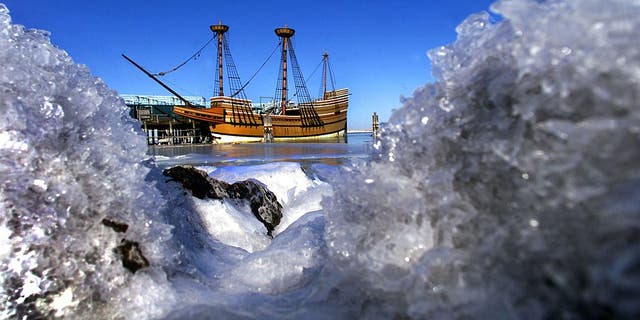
(232, 118)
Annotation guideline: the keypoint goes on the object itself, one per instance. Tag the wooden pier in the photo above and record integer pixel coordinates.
(161, 125)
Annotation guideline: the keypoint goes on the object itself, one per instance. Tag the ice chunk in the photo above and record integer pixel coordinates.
(232, 225)
(70, 155)
(503, 201)
(283, 265)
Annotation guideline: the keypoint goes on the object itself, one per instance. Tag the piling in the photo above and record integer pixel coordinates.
(375, 125)
(268, 129)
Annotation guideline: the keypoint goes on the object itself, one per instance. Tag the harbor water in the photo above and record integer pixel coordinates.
(329, 152)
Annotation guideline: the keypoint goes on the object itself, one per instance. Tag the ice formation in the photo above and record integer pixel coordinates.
(506, 189)
(64, 137)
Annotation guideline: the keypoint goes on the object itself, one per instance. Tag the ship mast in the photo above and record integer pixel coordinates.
(325, 59)
(284, 33)
(219, 29)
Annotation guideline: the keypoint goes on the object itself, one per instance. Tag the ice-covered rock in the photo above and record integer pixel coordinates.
(509, 187)
(295, 190)
(263, 203)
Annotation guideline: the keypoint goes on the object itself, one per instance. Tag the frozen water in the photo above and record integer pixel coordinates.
(64, 137)
(517, 197)
(506, 189)
(232, 225)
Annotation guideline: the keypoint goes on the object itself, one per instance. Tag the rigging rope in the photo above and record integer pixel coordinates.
(195, 55)
(254, 75)
(333, 84)
(314, 71)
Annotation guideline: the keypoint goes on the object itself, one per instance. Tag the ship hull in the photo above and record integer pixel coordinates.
(329, 137)
(232, 120)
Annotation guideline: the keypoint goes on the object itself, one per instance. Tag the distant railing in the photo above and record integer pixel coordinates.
(149, 100)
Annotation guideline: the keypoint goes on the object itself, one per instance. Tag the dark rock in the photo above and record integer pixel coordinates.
(264, 204)
(132, 257)
(196, 181)
(219, 189)
(115, 225)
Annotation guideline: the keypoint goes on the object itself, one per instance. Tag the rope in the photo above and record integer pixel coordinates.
(310, 76)
(256, 73)
(314, 71)
(195, 55)
(333, 84)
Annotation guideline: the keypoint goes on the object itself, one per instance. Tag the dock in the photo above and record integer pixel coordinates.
(161, 125)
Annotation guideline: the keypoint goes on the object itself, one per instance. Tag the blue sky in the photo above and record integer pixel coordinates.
(377, 48)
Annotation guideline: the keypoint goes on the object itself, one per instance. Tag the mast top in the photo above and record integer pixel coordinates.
(219, 28)
(285, 32)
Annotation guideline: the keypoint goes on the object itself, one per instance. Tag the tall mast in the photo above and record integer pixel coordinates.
(220, 29)
(325, 58)
(284, 33)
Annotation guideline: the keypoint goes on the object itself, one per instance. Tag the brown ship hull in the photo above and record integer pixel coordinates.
(233, 120)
